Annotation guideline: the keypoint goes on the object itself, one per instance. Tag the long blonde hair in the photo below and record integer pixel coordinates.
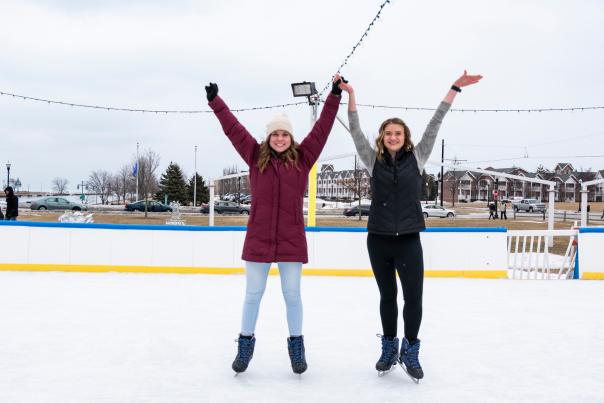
(289, 156)
(379, 142)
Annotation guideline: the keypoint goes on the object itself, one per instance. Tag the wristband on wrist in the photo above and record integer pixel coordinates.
(455, 88)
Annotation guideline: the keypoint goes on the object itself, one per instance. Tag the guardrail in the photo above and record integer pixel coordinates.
(529, 255)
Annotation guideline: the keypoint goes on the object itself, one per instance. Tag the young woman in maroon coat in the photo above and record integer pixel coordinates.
(279, 170)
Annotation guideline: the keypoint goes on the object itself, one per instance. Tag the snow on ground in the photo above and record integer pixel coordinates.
(75, 337)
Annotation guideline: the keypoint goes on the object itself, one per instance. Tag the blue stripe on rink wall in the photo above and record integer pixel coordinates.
(230, 228)
(587, 230)
(120, 226)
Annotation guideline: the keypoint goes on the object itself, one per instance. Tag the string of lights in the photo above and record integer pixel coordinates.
(156, 111)
(358, 44)
(503, 110)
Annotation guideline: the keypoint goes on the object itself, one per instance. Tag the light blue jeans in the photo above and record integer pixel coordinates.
(256, 275)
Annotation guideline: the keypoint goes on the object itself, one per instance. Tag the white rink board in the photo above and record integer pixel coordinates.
(591, 253)
(202, 247)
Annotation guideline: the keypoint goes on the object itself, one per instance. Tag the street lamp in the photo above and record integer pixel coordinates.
(496, 195)
(438, 188)
(8, 173)
(309, 90)
(195, 181)
(83, 187)
(427, 187)
(239, 189)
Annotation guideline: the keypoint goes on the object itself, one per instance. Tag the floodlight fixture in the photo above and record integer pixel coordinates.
(304, 89)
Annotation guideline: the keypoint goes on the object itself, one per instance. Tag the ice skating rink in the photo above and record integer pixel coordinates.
(78, 337)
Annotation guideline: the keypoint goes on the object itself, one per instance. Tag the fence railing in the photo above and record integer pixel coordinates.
(531, 257)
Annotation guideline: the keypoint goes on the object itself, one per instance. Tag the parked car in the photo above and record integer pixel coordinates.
(56, 203)
(226, 207)
(354, 211)
(152, 206)
(530, 205)
(434, 210)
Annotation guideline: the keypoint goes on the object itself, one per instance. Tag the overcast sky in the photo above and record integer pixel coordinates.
(158, 55)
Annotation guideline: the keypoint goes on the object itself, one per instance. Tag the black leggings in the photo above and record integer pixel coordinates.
(402, 254)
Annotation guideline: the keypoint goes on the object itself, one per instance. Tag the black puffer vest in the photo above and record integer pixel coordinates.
(396, 191)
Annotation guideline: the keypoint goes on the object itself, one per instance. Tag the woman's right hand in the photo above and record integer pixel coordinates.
(211, 91)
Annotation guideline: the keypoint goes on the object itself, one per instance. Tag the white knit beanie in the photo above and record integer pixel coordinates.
(280, 122)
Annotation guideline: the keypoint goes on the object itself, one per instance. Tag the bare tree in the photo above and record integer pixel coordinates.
(59, 185)
(123, 182)
(357, 183)
(100, 183)
(452, 180)
(148, 163)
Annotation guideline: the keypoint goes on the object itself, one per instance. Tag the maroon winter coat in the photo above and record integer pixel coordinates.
(275, 230)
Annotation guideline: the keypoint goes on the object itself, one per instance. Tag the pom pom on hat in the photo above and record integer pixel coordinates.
(280, 122)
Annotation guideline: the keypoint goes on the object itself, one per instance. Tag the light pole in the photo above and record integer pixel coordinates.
(427, 187)
(239, 189)
(496, 196)
(83, 187)
(137, 168)
(8, 173)
(195, 181)
(308, 90)
(438, 188)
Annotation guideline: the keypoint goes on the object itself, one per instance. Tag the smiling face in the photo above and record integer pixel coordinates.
(394, 137)
(280, 141)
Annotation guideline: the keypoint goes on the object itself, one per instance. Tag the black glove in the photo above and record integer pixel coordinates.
(211, 91)
(334, 87)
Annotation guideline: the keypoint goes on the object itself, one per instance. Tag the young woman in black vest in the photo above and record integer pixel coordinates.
(395, 220)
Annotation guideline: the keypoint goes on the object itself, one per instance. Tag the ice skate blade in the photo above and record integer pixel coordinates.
(408, 374)
(383, 373)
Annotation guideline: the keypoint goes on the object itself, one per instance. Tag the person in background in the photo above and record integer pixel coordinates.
(503, 209)
(492, 211)
(12, 204)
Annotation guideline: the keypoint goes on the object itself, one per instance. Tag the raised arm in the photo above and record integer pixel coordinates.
(423, 149)
(313, 143)
(241, 139)
(364, 148)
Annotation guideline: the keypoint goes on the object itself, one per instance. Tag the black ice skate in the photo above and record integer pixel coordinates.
(297, 355)
(409, 359)
(389, 355)
(245, 352)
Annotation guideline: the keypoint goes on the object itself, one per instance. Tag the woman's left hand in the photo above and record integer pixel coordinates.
(467, 79)
(342, 83)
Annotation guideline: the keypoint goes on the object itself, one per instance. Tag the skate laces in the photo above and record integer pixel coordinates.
(411, 354)
(296, 345)
(389, 349)
(244, 349)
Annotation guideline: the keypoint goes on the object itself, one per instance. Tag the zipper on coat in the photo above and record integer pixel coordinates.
(396, 204)
(276, 215)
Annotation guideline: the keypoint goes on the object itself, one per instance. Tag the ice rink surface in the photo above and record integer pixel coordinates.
(75, 337)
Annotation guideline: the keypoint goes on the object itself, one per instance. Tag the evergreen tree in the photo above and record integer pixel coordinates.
(173, 184)
(203, 193)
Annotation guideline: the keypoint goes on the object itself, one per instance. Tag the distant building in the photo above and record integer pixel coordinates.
(340, 185)
(470, 185)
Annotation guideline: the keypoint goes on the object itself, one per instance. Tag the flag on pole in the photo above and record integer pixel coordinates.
(135, 169)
